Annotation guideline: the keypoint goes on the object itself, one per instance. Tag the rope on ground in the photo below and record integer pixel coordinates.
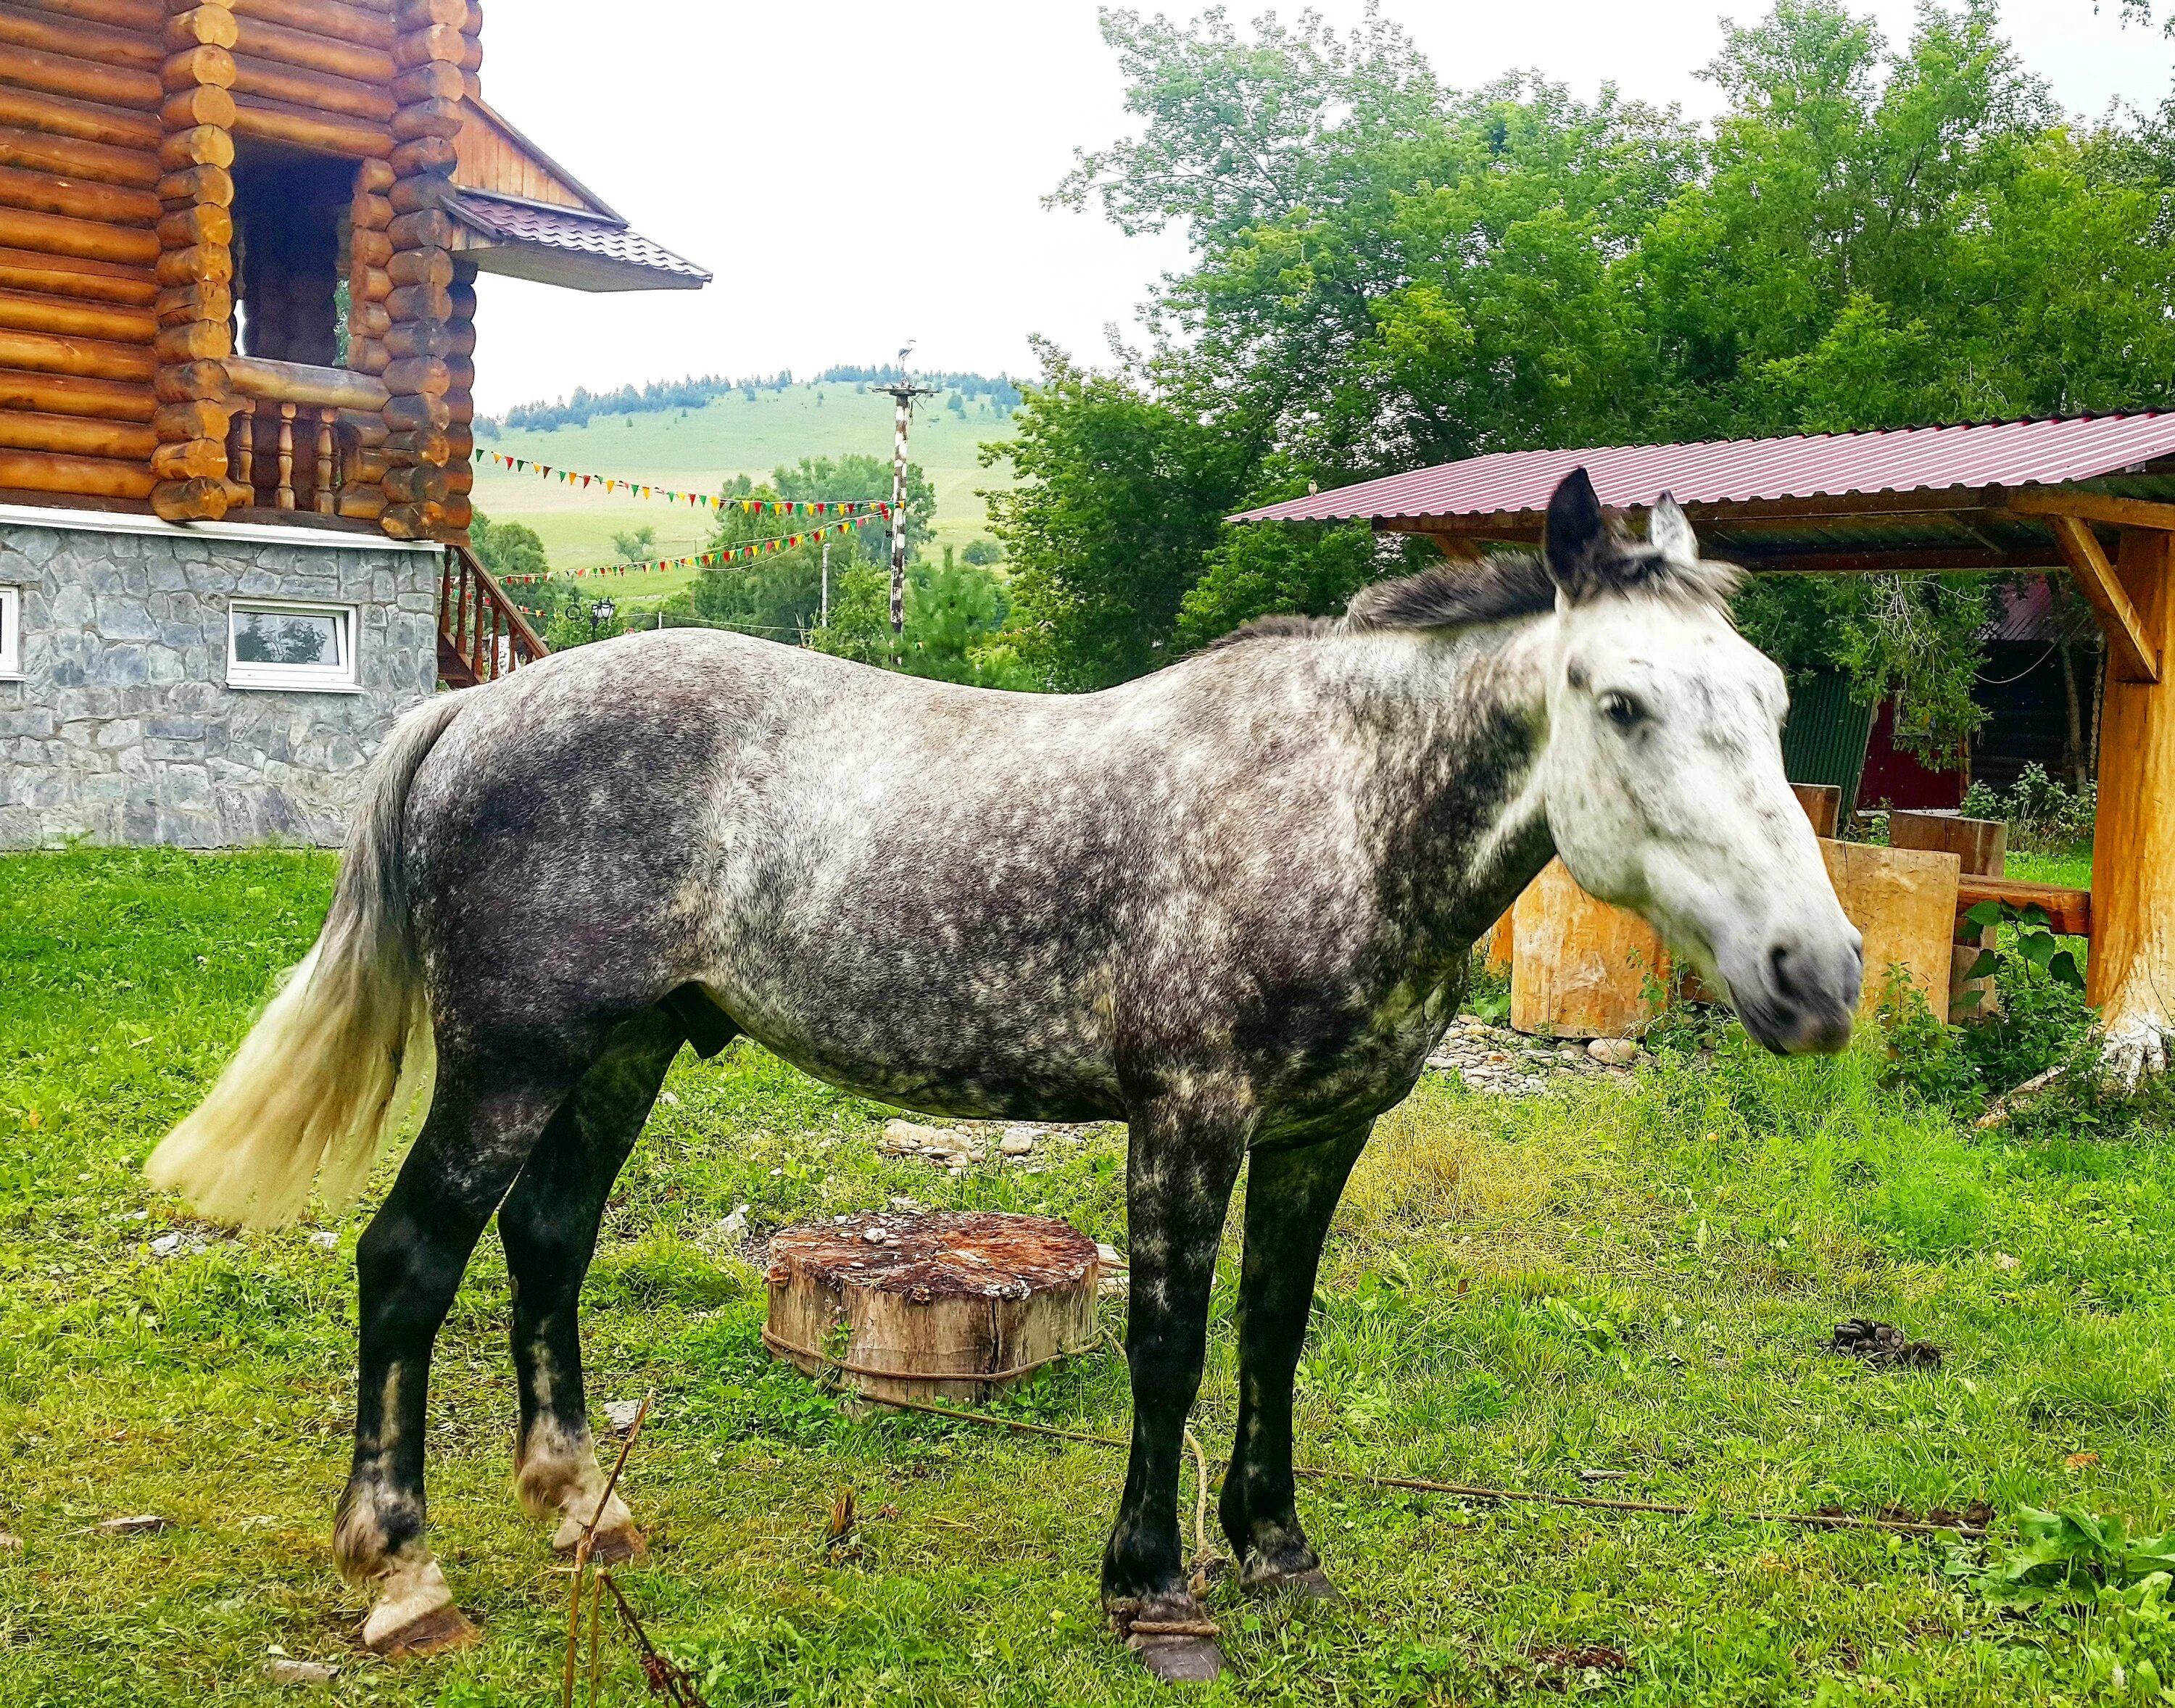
(1467, 1491)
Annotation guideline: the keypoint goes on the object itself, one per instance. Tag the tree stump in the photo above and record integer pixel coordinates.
(1579, 967)
(936, 1305)
(1904, 900)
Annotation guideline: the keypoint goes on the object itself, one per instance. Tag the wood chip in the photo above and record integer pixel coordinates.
(315, 1673)
(143, 1524)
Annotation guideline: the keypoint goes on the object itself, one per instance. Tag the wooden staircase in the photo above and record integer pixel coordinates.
(481, 634)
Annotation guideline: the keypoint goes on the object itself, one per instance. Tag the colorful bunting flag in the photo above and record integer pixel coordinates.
(711, 560)
(746, 506)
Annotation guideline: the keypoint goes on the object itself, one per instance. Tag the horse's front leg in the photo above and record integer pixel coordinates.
(1290, 1196)
(408, 1265)
(1181, 1162)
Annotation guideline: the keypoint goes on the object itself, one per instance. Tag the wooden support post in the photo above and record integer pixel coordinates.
(2131, 969)
(419, 408)
(460, 404)
(196, 237)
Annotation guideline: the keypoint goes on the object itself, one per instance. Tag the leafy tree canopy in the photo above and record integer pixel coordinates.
(1389, 272)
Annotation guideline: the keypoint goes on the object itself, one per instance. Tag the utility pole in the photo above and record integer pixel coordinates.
(903, 394)
(825, 618)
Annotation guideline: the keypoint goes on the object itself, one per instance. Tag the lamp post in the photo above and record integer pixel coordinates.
(601, 612)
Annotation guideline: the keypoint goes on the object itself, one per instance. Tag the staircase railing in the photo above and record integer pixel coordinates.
(482, 634)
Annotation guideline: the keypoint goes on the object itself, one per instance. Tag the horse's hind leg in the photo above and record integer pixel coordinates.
(549, 1227)
(1290, 1196)
(486, 1115)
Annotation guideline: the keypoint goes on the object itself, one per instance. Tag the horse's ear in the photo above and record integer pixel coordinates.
(1669, 532)
(1575, 536)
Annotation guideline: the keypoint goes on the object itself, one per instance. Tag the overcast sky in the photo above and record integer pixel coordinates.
(757, 141)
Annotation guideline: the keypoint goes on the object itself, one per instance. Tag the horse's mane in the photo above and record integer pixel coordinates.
(1507, 586)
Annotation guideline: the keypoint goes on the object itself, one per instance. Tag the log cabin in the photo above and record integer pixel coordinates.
(239, 248)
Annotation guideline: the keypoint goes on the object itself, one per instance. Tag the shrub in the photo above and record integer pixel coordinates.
(2043, 816)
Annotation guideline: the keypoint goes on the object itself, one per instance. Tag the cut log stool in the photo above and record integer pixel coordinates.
(936, 1305)
(1982, 845)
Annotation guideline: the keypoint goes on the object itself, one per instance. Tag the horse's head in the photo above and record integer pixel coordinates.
(1663, 778)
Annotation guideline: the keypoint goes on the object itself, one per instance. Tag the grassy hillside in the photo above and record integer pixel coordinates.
(697, 449)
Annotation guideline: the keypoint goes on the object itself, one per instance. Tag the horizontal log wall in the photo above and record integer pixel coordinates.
(72, 394)
(147, 17)
(330, 20)
(80, 477)
(81, 91)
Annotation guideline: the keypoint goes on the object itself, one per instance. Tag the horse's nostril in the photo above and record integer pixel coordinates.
(1778, 967)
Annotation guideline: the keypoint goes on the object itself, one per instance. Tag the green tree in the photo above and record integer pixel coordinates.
(639, 544)
(1387, 273)
(513, 549)
(951, 608)
(1120, 498)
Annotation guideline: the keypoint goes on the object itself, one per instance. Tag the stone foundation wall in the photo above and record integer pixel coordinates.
(123, 729)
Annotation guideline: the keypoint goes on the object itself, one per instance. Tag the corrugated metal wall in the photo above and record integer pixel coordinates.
(1824, 741)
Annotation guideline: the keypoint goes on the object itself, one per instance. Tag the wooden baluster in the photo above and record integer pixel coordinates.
(285, 496)
(245, 446)
(322, 497)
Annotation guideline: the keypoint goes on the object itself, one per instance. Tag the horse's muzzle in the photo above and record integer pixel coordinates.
(1798, 995)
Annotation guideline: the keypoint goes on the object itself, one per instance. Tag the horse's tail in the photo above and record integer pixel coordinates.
(344, 1047)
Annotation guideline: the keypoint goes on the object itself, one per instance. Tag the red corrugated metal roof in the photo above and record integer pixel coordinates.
(2026, 613)
(1992, 454)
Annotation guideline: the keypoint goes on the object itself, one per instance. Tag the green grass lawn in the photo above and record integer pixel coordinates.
(1633, 1280)
(697, 450)
(2071, 866)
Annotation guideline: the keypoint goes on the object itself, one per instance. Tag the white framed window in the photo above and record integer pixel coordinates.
(11, 633)
(281, 643)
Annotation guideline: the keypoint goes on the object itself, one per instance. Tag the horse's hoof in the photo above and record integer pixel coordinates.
(614, 1547)
(1311, 1584)
(438, 1632)
(1172, 1634)
(415, 1612)
(1179, 1660)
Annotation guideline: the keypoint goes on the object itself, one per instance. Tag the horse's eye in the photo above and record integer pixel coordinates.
(1621, 710)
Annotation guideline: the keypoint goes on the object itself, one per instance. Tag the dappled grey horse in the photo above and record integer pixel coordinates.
(1231, 905)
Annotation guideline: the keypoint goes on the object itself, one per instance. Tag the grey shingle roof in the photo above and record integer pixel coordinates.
(570, 246)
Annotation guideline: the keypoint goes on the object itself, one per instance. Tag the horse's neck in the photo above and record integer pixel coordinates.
(1459, 726)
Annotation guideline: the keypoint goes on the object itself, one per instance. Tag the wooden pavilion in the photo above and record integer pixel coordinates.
(2092, 496)
(239, 243)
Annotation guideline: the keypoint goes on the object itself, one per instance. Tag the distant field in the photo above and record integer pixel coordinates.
(699, 449)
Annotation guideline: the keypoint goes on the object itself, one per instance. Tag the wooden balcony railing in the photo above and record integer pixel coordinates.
(481, 634)
(263, 452)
